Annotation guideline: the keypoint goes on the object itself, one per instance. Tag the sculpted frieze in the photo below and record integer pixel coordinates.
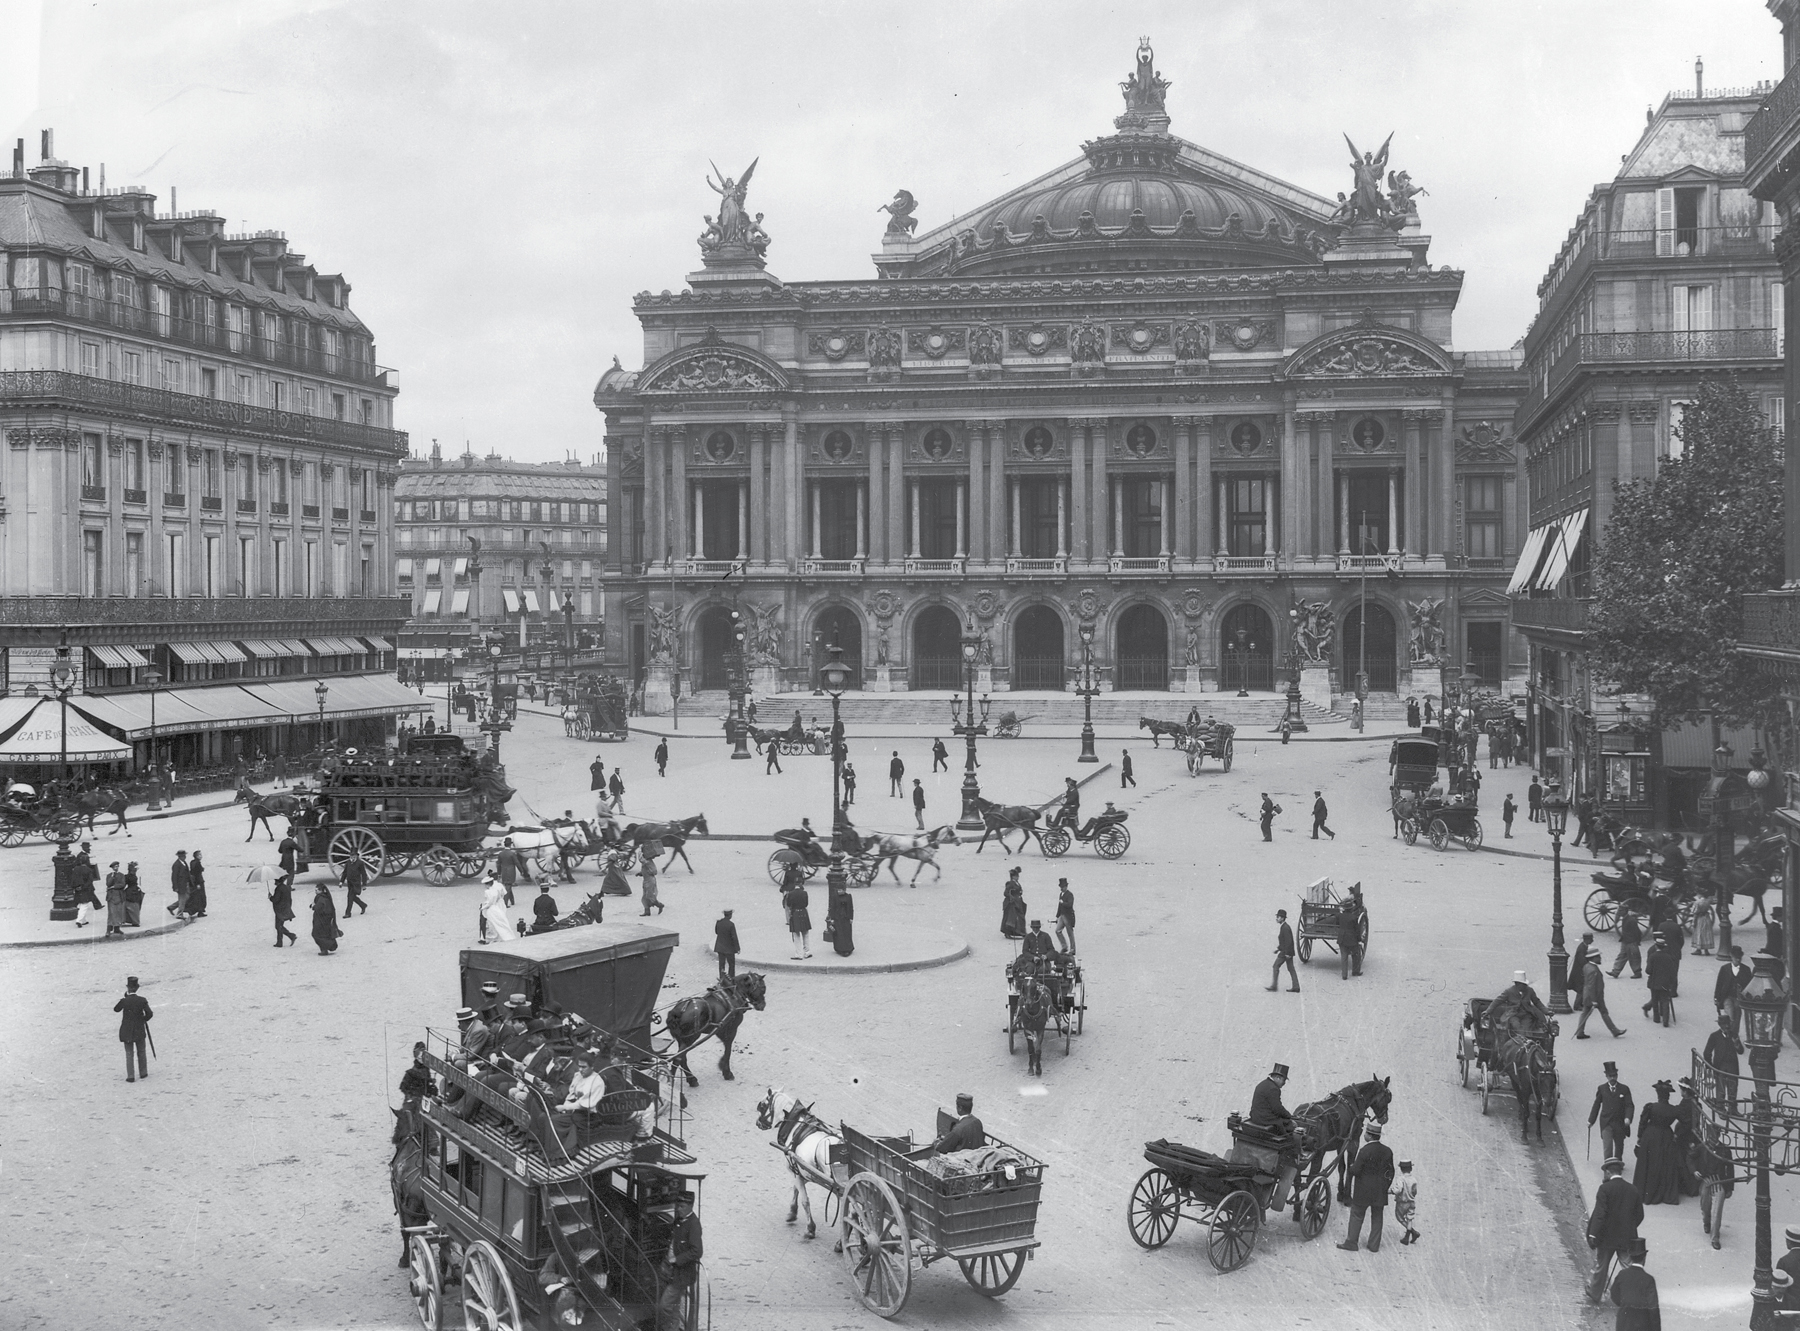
(1140, 337)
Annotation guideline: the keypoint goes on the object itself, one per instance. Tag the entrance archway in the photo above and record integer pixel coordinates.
(714, 637)
(1038, 650)
(1141, 652)
(936, 650)
(839, 625)
(1251, 666)
(1380, 656)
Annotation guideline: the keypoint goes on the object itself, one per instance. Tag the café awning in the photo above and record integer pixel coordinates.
(1561, 549)
(1529, 559)
(42, 737)
(118, 658)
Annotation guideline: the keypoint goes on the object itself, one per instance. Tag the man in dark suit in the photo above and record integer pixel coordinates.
(940, 756)
(1125, 776)
(1319, 815)
(1534, 800)
(1284, 955)
(355, 879)
(134, 1026)
(725, 945)
(1634, 1291)
(1349, 932)
(544, 911)
(282, 899)
(1732, 978)
(1267, 817)
(1037, 943)
(1612, 1228)
(1266, 1109)
(1721, 1052)
(290, 851)
(1371, 1175)
(896, 773)
(1578, 962)
(681, 1265)
(967, 1133)
(1613, 1111)
(511, 867)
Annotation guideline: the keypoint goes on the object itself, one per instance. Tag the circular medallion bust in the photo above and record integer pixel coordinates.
(838, 446)
(937, 444)
(1246, 436)
(1039, 442)
(720, 446)
(1368, 433)
(1140, 440)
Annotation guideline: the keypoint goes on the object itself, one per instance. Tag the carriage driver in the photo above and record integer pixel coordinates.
(1267, 1112)
(1069, 815)
(1521, 993)
(966, 1134)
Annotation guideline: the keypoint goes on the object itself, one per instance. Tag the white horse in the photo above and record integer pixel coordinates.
(806, 1142)
(892, 847)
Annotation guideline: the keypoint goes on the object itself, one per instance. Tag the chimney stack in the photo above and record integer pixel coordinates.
(1699, 77)
(19, 160)
(84, 180)
(45, 142)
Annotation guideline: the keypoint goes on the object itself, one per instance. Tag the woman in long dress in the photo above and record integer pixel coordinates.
(115, 903)
(493, 912)
(1658, 1174)
(1012, 909)
(647, 872)
(325, 929)
(134, 897)
(196, 886)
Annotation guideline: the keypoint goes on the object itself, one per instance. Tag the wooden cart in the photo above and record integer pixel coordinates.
(1321, 912)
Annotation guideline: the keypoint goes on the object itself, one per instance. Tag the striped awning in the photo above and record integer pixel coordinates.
(191, 653)
(1529, 559)
(267, 651)
(433, 596)
(119, 658)
(461, 568)
(403, 569)
(511, 598)
(335, 647)
(1562, 550)
(531, 601)
(432, 567)
(459, 601)
(378, 644)
(229, 652)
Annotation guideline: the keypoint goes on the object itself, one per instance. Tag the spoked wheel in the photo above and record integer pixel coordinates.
(439, 866)
(489, 1303)
(1055, 841)
(993, 1273)
(356, 843)
(1232, 1235)
(1409, 831)
(1462, 1064)
(1225, 755)
(470, 863)
(396, 863)
(778, 869)
(64, 828)
(1112, 841)
(1080, 1005)
(1154, 1209)
(1315, 1207)
(1305, 950)
(12, 835)
(1012, 1023)
(1600, 911)
(863, 869)
(425, 1282)
(1487, 1082)
(877, 1248)
(1472, 837)
(1440, 834)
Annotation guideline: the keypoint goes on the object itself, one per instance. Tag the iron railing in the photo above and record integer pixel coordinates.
(1691, 344)
(1778, 115)
(1550, 612)
(1043, 673)
(1772, 621)
(1142, 674)
(325, 614)
(936, 672)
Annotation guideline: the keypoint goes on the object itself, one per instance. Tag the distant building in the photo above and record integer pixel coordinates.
(197, 478)
(542, 534)
(1668, 277)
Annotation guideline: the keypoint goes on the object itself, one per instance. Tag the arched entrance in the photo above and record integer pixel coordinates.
(839, 625)
(714, 638)
(1038, 650)
(1249, 662)
(1380, 656)
(936, 650)
(1141, 653)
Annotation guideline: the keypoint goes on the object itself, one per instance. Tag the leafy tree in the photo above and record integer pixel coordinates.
(1680, 552)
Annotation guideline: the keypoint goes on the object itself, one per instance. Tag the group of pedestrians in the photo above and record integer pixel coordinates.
(612, 788)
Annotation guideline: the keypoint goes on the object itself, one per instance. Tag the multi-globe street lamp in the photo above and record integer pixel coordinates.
(153, 681)
(1556, 814)
(834, 676)
(1764, 1006)
(1087, 691)
(62, 680)
(1243, 647)
(966, 724)
(319, 692)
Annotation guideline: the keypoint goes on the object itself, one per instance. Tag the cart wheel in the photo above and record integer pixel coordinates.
(1600, 911)
(876, 1246)
(863, 870)
(1055, 841)
(1305, 950)
(1472, 838)
(1112, 841)
(356, 843)
(396, 863)
(1440, 834)
(425, 1282)
(547, 861)
(1225, 754)
(1315, 1208)
(1640, 906)
(1555, 1095)
(1012, 1022)
(1409, 831)
(470, 863)
(1154, 1209)
(1233, 1231)
(1363, 935)
(439, 866)
(487, 1293)
(1080, 1005)
(12, 835)
(63, 828)
(1068, 1030)
(993, 1273)
(1462, 1063)
(1487, 1082)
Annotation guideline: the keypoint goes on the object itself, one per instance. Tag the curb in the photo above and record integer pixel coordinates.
(89, 940)
(928, 963)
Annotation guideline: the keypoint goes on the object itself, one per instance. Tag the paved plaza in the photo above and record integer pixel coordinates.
(244, 1184)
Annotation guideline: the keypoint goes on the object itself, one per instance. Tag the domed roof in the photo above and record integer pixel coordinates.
(1112, 199)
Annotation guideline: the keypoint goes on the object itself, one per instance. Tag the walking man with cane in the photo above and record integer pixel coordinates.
(134, 1027)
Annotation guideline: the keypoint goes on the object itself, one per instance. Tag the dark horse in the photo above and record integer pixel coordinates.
(719, 1012)
(999, 819)
(1333, 1130)
(1532, 1071)
(404, 1172)
(1174, 730)
(276, 804)
(672, 836)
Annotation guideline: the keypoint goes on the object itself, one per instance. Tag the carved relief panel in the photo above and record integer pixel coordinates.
(932, 442)
(1030, 441)
(835, 446)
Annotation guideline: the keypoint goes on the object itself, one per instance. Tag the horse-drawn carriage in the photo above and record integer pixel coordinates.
(1510, 1047)
(1443, 819)
(25, 813)
(1059, 973)
(1213, 740)
(1106, 832)
(1322, 913)
(600, 713)
(804, 852)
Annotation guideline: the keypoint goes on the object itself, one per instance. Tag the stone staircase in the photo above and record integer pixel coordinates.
(1113, 710)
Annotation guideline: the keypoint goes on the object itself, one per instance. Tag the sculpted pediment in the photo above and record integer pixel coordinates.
(714, 366)
(1367, 351)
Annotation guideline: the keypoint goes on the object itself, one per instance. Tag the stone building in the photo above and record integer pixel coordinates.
(1153, 391)
(535, 574)
(1668, 277)
(197, 477)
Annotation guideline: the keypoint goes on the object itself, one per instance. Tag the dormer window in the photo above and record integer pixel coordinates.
(137, 233)
(1678, 211)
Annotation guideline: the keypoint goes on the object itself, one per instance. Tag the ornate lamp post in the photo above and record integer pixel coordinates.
(1764, 1006)
(1087, 691)
(1556, 814)
(969, 727)
(740, 747)
(1243, 647)
(1716, 803)
(568, 609)
(494, 724)
(1294, 718)
(833, 676)
(319, 692)
(153, 681)
(449, 686)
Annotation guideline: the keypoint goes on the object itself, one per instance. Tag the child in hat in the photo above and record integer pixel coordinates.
(1406, 1201)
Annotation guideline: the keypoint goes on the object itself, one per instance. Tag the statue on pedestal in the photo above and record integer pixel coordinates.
(901, 221)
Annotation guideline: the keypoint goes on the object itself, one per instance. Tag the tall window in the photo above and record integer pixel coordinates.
(159, 307)
(279, 391)
(1246, 517)
(234, 331)
(1690, 309)
(280, 568)
(246, 477)
(1368, 534)
(246, 390)
(93, 572)
(1482, 501)
(209, 472)
(246, 569)
(368, 563)
(209, 383)
(133, 367)
(90, 359)
(337, 406)
(212, 565)
(368, 488)
(1040, 533)
(1141, 505)
(279, 474)
(312, 569)
(308, 402)
(93, 474)
(134, 563)
(1677, 424)
(177, 566)
(340, 569)
(1778, 315)
(171, 375)
(174, 471)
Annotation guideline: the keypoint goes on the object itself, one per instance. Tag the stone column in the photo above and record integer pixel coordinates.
(757, 532)
(1393, 512)
(1272, 515)
(1203, 488)
(875, 435)
(912, 548)
(896, 494)
(1443, 473)
(1414, 508)
(1099, 432)
(1078, 491)
(677, 436)
(1162, 518)
(793, 474)
(1219, 498)
(699, 546)
(814, 545)
(1292, 489)
(962, 521)
(1326, 436)
(996, 451)
(1118, 511)
(1343, 489)
(862, 524)
(743, 541)
(976, 521)
(1184, 496)
(654, 495)
(1012, 544)
(1062, 517)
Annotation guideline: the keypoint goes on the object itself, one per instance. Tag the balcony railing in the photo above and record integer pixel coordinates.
(57, 387)
(1780, 110)
(94, 492)
(136, 496)
(1138, 564)
(1360, 564)
(1244, 564)
(246, 506)
(954, 568)
(1694, 344)
(174, 501)
(1771, 624)
(293, 612)
(812, 568)
(212, 503)
(1028, 568)
(1549, 612)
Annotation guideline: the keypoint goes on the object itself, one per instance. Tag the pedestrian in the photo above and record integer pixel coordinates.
(1790, 1260)
(289, 852)
(896, 771)
(1630, 935)
(1284, 955)
(1733, 976)
(355, 878)
(597, 774)
(1287, 730)
(493, 912)
(196, 887)
(1507, 810)
(794, 901)
(325, 931)
(281, 771)
(511, 866)
(115, 901)
(1428, 711)
(850, 785)
(1634, 1293)
(1704, 921)
(1534, 800)
(1717, 1176)
(181, 882)
(677, 1274)
(1721, 1055)
(1319, 815)
(1593, 999)
(1658, 1173)
(1578, 965)
(1584, 824)
(281, 898)
(87, 873)
(772, 750)
(940, 756)
(647, 875)
(1125, 776)
(1065, 917)
(616, 785)
(662, 757)
(1349, 936)
(1406, 1202)
(1371, 1175)
(918, 803)
(134, 1026)
(1412, 713)
(1612, 1110)
(840, 919)
(1613, 1224)
(134, 897)
(1267, 817)
(725, 945)
(1659, 970)
(1012, 906)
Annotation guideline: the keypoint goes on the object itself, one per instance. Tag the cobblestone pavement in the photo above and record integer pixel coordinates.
(244, 1184)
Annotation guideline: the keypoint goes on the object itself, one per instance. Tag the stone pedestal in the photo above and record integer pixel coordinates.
(659, 697)
(765, 680)
(883, 681)
(1315, 686)
(1187, 679)
(1427, 682)
(984, 680)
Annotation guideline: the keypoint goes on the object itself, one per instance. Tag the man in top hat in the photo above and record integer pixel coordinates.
(967, 1133)
(1612, 1111)
(725, 944)
(491, 1007)
(134, 1026)
(1371, 1175)
(417, 1082)
(1267, 1112)
(1634, 1291)
(1284, 955)
(1612, 1226)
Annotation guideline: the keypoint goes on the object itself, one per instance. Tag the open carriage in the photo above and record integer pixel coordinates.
(600, 714)
(1478, 1042)
(25, 813)
(1321, 918)
(1060, 973)
(1442, 819)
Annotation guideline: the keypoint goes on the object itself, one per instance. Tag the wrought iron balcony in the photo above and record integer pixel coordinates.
(246, 506)
(1772, 133)
(94, 492)
(330, 614)
(1772, 626)
(1560, 613)
(1695, 344)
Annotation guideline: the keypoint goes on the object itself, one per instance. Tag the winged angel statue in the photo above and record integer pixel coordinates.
(733, 226)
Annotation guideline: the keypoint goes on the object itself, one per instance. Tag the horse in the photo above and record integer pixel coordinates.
(1532, 1070)
(276, 804)
(892, 847)
(1034, 1015)
(90, 804)
(718, 1013)
(404, 1172)
(1174, 730)
(804, 1140)
(671, 836)
(1004, 818)
(1333, 1126)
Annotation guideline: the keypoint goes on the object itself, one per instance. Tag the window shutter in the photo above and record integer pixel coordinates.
(1700, 317)
(1678, 309)
(1778, 315)
(1665, 223)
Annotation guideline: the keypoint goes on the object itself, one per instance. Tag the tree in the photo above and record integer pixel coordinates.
(1680, 552)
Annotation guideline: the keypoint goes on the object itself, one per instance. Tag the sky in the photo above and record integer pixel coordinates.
(497, 181)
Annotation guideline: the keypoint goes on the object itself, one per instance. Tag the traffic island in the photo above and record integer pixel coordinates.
(883, 948)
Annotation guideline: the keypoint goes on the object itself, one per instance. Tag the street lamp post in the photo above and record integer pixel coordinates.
(1294, 718)
(1724, 839)
(319, 692)
(1243, 647)
(494, 724)
(1556, 814)
(62, 679)
(969, 726)
(153, 681)
(1087, 691)
(833, 676)
(1764, 1006)
(740, 747)
(449, 686)
(568, 634)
